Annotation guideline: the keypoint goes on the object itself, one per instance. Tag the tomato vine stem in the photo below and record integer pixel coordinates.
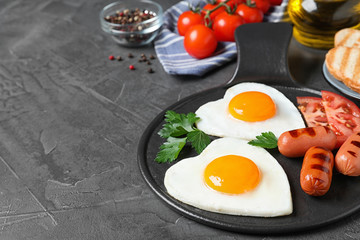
(208, 21)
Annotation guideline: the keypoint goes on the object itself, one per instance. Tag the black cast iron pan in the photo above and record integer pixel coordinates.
(262, 57)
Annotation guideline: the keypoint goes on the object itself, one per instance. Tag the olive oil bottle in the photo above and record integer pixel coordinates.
(317, 21)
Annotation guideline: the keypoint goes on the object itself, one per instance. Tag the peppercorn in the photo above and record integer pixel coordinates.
(129, 16)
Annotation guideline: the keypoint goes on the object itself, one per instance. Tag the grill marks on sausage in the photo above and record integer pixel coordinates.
(296, 133)
(356, 143)
(320, 167)
(352, 153)
(322, 158)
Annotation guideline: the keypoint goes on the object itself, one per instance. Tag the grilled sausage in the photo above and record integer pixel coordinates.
(347, 159)
(316, 171)
(295, 143)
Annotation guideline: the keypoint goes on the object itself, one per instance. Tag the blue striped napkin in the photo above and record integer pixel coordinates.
(170, 49)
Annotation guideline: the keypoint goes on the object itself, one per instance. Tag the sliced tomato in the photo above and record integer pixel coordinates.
(343, 115)
(313, 111)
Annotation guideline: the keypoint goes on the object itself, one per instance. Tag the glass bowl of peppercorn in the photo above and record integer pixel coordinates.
(132, 23)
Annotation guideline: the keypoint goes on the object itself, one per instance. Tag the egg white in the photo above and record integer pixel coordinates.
(216, 120)
(271, 198)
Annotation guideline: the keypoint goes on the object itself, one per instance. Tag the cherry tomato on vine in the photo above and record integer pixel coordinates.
(225, 24)
(210, 6)
(275, 2)
(200, 41)
(263, 5)
(232, 3)
(250, 14)
(188, 19)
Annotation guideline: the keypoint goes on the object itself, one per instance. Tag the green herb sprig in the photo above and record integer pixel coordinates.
(178, 130)
(265, 140)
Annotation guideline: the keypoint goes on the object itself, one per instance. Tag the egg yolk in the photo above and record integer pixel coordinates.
(232, 174)
(252, 106)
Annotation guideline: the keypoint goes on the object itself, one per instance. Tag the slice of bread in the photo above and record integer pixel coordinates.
(334, 61)
(344, 64)
(347, 37)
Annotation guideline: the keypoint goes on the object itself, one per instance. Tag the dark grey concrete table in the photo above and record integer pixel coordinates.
(71, 120)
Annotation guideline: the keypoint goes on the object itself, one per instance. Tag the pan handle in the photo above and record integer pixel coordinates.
(262, 54)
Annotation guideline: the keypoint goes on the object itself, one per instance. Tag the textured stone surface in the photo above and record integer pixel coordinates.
(71, 120)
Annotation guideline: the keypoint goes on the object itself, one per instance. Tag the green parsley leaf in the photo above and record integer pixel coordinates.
(199, 140)
(178, 124)
(178, 130)
(170, 150)
(171, 130)
(265, 140)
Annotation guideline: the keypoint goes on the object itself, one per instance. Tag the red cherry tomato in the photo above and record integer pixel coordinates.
(232, 3)
(263, 5)
(225, 24)
(250, 14)
(210, 6)
(275, 2)
(188, 19)
(200, 41)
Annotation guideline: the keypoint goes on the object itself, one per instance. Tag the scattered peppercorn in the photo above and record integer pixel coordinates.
(143, 58)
